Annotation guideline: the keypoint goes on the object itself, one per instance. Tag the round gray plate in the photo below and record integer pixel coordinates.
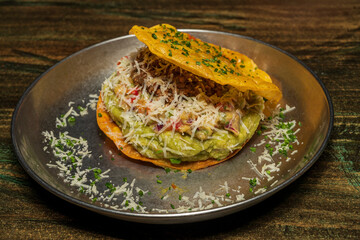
(82, 73)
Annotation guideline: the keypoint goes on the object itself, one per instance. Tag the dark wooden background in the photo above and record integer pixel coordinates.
(323, 203)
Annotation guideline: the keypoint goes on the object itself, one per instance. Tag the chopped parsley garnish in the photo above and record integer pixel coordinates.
(281, 115)
(110, 187)
(253, 149)
(269, 148)
(186, 52)
(174, 47)
(99, 114)
(252, 182)
(283, 152)
(159, 181)
(170, 53)
(71, 119)
(70, 144)
(154, 36)
(175, 161)
(97, 172)
(59, 145)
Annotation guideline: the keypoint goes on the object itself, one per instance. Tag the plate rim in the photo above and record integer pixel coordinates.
(144, 217)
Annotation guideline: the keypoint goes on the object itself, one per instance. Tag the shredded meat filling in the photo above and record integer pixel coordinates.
(230, 103)
(186, 83)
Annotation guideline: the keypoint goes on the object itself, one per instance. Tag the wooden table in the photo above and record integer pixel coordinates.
(323, 203)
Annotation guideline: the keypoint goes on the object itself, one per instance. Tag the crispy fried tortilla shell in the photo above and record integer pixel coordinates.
(207, 60)
(112, 130)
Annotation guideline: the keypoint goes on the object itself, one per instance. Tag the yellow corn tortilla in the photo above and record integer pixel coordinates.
(113, 131)
(207, 60)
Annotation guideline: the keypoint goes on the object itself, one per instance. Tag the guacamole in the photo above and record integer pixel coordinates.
(176, 145)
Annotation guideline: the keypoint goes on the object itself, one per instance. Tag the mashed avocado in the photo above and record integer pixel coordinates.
(169, 144)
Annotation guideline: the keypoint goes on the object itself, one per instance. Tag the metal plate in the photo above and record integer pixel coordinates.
(81, 74)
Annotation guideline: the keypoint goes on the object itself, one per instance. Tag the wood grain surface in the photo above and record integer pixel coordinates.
(323, 203)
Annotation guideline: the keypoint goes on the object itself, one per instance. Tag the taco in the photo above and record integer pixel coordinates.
(183, 103)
